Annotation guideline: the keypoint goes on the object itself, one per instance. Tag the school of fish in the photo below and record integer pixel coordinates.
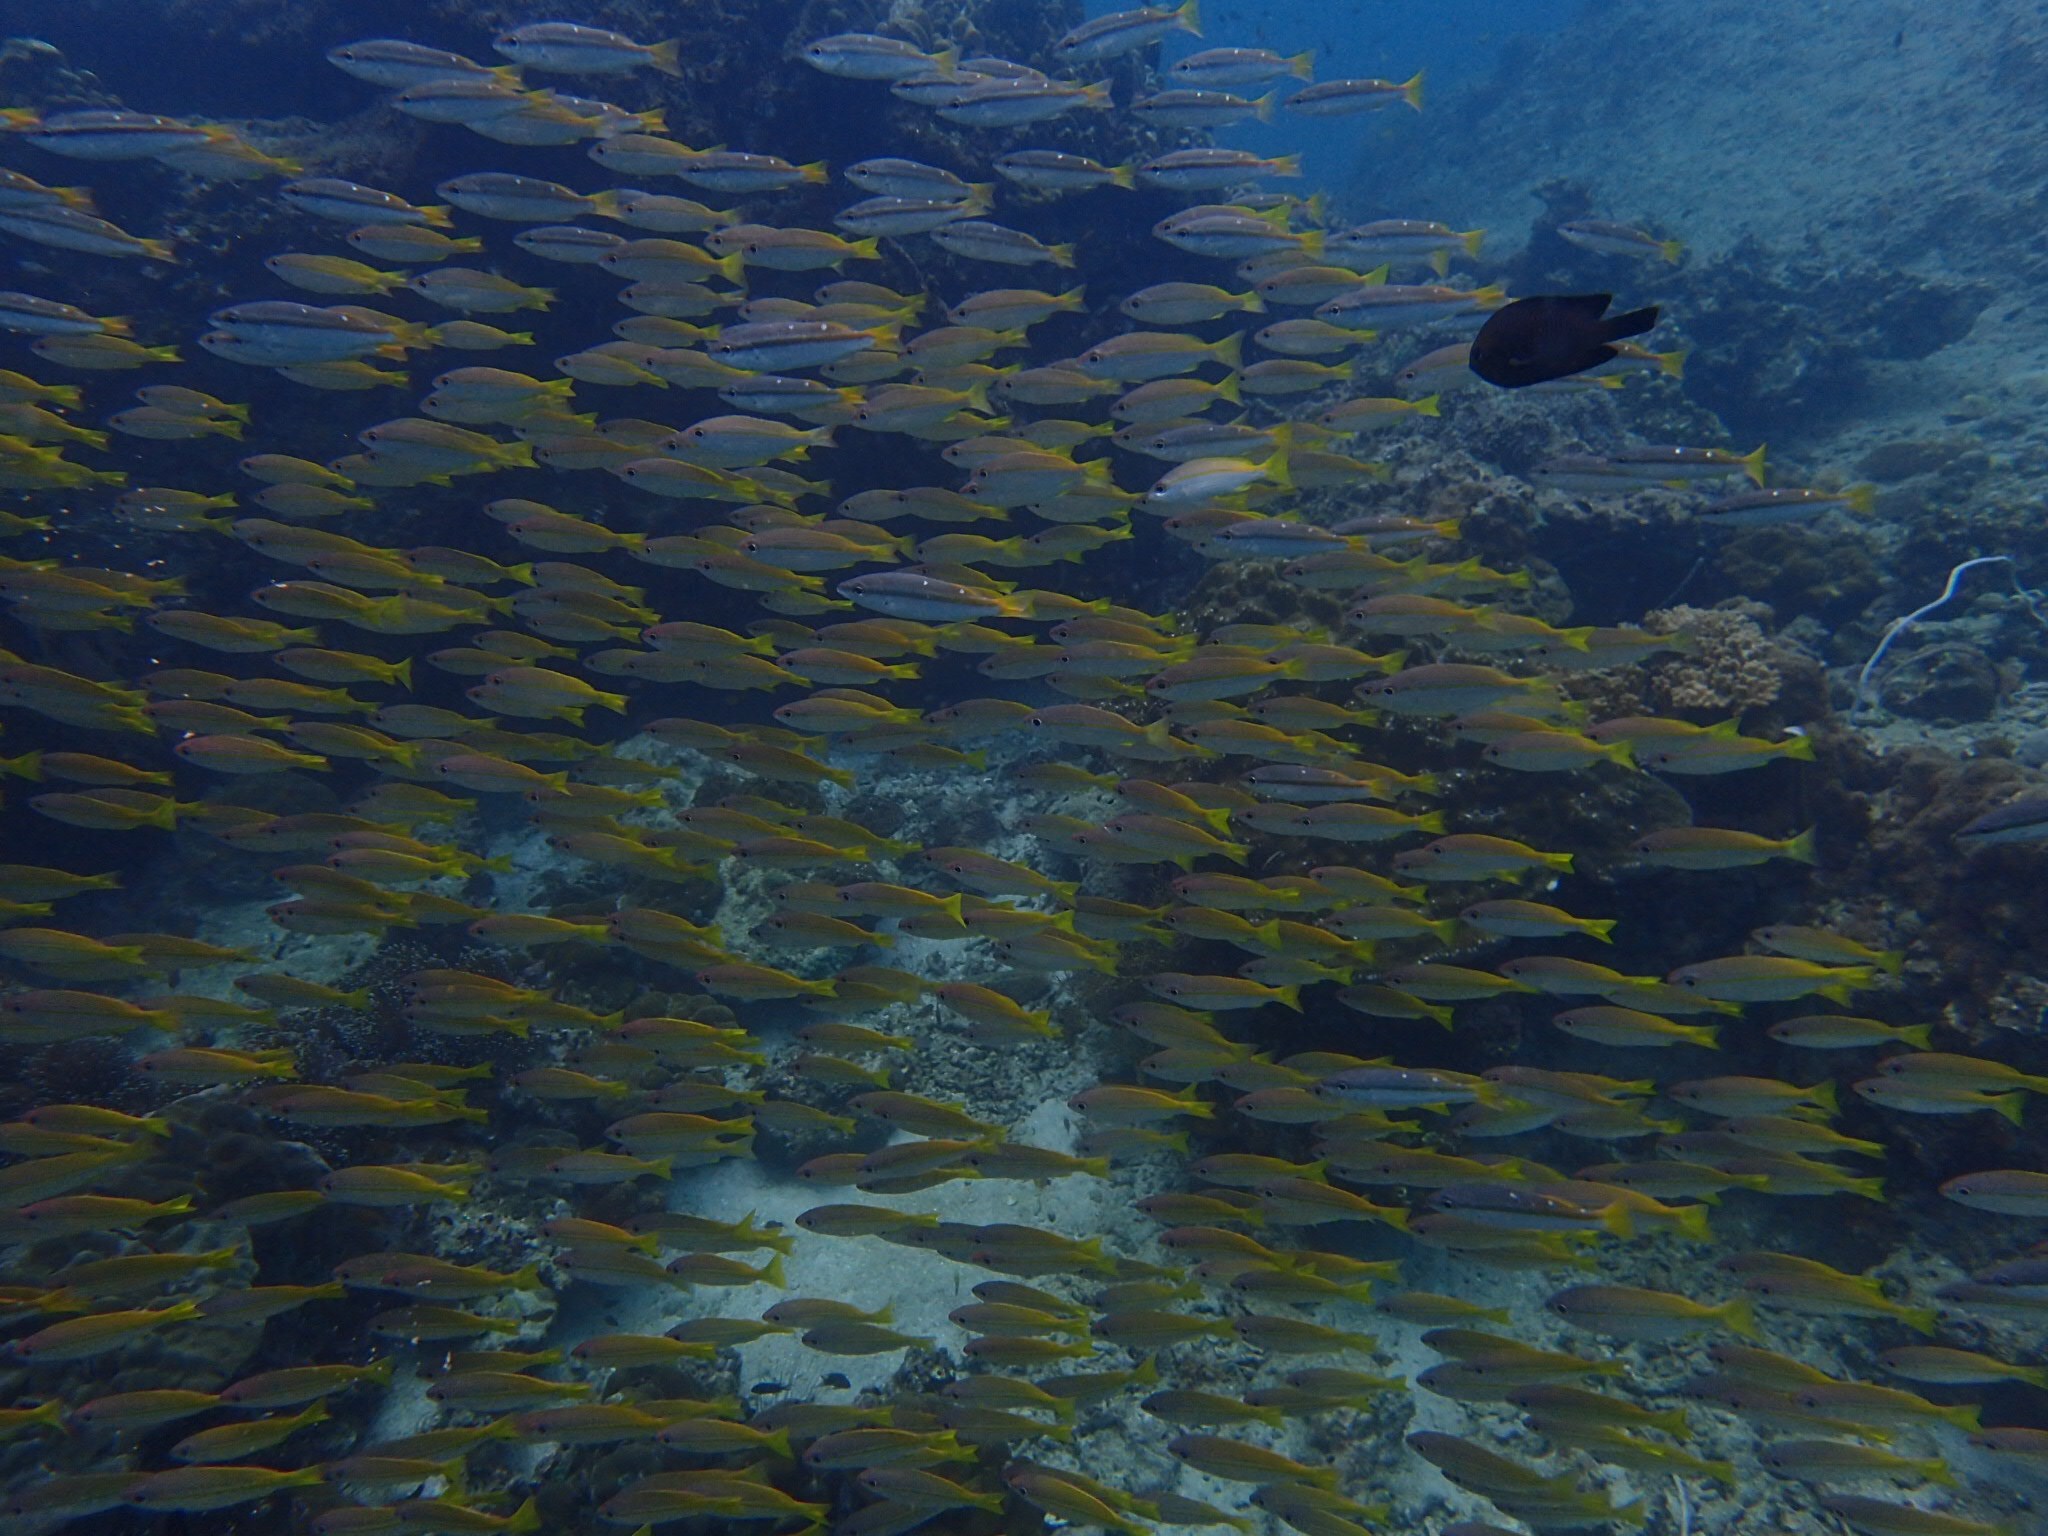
(1244, 869)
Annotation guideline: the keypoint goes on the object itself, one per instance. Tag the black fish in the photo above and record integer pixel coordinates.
(1552, 336)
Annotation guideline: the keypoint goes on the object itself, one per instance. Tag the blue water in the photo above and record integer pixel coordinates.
(1454, 40)
(1451, 44)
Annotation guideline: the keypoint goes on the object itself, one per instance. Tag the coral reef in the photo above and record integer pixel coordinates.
(1802, 339)
(1166, 1051)
(1727, 666)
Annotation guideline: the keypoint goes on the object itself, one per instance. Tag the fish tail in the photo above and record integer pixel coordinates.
(437, 216)
(1801, 848)
(665, 57)
(1692, 1221)
(1925, 1320)
(1919, 1036)
(1753, 463)
(2008, 1105)
(1411, 90)
(1634, 323)
(1740, 1316)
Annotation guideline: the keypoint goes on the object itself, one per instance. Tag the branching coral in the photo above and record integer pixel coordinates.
(1729, 665)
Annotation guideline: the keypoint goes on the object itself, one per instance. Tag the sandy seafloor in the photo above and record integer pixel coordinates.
(1114, 1440)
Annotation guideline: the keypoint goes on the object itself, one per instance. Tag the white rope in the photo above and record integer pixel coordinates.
(1900, 625)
